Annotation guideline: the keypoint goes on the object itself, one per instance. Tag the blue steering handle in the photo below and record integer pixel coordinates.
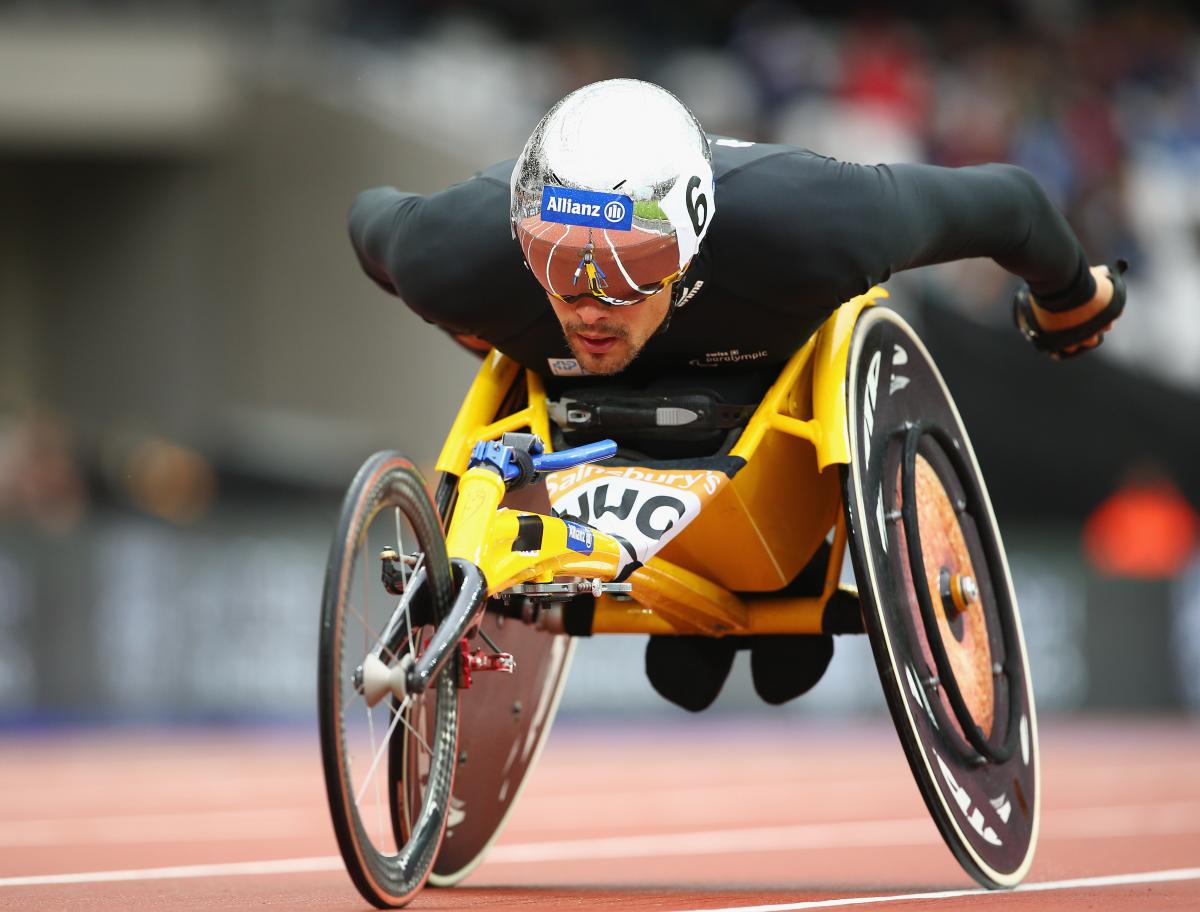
(575, 456)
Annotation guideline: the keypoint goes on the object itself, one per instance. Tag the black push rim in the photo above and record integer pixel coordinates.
(1012, 673)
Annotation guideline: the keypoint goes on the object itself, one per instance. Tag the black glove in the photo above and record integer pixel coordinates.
(1056, 342)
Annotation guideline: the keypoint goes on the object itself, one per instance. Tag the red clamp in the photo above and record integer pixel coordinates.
(481, 661)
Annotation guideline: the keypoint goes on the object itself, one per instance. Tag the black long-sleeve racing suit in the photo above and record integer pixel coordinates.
(794, 235)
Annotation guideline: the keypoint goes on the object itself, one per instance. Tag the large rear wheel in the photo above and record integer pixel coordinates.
(938, 603)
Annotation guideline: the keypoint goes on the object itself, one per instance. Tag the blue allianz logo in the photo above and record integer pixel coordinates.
(579, 537)
(587, 208)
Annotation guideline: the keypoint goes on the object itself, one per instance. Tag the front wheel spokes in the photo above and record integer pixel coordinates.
(382, 643)
(387, 737)
(407, 578)
(401, 550)
(381, 646)
(416, 734)
(367, 632)
(378, 785)
(415, 580)
(397, 717)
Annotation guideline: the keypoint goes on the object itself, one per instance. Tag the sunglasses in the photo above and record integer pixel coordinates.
(617, 302)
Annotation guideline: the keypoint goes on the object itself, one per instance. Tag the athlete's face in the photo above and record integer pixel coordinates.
(603, 338)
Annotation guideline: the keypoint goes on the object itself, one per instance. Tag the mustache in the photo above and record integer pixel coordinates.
(601, 328)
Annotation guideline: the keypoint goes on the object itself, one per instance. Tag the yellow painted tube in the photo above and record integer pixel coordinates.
(504, 567)
(764, 616)
(479, 408)
(829, 378)
(672, 590)
(479, 494)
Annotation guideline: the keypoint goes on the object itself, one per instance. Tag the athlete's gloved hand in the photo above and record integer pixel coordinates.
(1064, 334)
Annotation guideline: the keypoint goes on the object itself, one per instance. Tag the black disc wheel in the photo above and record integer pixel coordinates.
(387, 585)
(938, 603)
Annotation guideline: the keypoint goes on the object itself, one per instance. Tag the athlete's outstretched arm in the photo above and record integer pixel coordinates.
(1001, 211)
(376, 221)
(997, 211)
(450, 256)
(849, 226)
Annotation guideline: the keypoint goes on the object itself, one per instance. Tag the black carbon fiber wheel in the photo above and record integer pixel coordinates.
(938, 603)
(389, 832)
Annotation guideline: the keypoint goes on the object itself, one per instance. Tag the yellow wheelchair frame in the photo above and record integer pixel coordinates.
(786, 499)
(857, 446)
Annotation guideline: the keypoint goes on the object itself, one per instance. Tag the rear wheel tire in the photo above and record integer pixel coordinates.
(388, 830)
(923, 538)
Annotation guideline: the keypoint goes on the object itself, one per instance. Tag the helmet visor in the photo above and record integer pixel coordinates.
(616, 267)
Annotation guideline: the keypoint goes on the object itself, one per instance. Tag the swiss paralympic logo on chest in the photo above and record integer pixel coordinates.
(587, 208)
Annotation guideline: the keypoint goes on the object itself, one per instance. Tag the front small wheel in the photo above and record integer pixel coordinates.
(388, 583)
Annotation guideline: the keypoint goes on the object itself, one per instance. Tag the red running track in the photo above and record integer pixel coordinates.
(702, 814)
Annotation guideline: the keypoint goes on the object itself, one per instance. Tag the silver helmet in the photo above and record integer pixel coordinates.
(613, 192)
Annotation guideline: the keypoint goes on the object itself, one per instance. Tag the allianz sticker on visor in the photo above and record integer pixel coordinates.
(587, 208)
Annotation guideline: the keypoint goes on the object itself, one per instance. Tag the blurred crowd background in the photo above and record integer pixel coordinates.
(191, 365)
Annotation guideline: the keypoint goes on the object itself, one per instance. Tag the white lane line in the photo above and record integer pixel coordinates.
(333, 863)
(232, 869)
(1081, 883)
(1082, 823)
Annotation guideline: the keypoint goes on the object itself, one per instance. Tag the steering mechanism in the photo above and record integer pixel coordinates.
(520, 459)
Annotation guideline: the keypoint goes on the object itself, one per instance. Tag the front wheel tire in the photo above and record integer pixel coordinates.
(389, 832)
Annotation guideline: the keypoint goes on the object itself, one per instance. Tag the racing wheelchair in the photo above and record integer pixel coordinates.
(448, 623)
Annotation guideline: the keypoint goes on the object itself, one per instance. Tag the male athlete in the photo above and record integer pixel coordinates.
(679, 261)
